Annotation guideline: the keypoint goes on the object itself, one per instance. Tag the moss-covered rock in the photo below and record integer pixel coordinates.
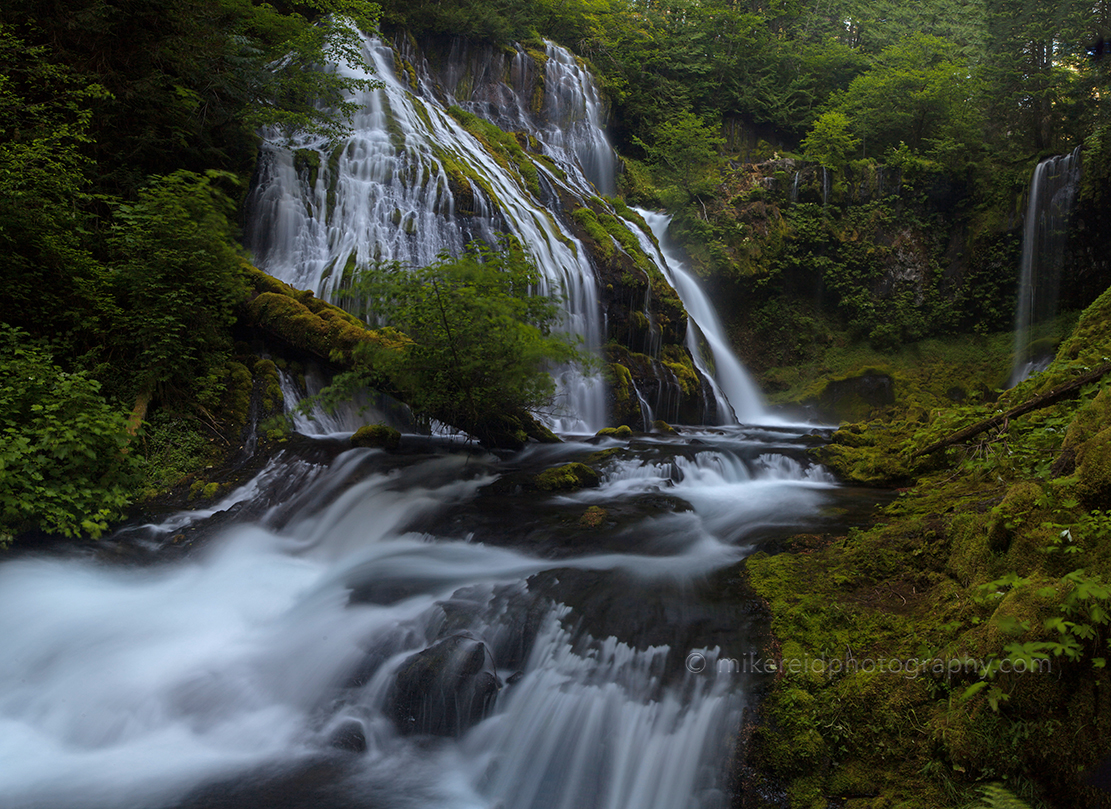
(624, 431)
(1009, 516)
(567, 478)
(273, 400)
(868, 454)
(1093, 470)
(378, 436)
(593, 517)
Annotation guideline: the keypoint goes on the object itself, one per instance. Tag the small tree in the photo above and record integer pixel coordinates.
(830, 141)
(688, 152)
(481, 342)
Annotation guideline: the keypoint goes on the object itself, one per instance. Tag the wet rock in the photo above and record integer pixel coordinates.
(567, 478)
(349, 736)
(446, 689)
(377, 436)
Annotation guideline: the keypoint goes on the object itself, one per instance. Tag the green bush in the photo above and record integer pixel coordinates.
(63, 461)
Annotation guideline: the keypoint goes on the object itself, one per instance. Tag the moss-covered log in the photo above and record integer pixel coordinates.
(1064, 391)
(299, 320)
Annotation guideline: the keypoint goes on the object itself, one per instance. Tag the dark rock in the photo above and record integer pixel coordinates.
(855, 398)
(349, 736)
(446, 689)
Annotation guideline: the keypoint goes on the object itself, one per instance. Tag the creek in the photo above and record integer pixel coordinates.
(427, 627)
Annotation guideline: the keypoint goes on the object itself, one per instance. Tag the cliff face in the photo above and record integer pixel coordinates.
(469, 142)
(803, 259)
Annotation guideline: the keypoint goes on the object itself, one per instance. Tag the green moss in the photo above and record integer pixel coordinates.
(589, 222)
(306, 162)
(678, 360)
(266, 371)
(504, 146)
(624, 431)
(378, 436)
(1089, 420)
(1093, 470)
(931, 374)
(333, 178)
(210, 491)
(593, 517)
(311, 325)
(235, 405)
(993, 512)
(663, 427)
(1010, 515)
(869, 454)
(569, 477)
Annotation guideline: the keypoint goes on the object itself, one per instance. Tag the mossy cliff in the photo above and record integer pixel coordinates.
(960, 640)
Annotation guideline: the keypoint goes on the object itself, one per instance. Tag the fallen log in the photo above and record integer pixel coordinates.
(299, 320)
(1046, 399)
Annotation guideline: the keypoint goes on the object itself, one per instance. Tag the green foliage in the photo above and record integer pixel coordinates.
(829, 141)
(996, 796)
(52, 283)
(481, 342)
(189, 81)
(176, 277)
(688, 152)
(915, 96)
(63, 468)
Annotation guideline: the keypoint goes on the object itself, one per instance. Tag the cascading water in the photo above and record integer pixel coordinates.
(737, 396)
(394, 192)
(430, 628)
(395, 630)
(1053, 190)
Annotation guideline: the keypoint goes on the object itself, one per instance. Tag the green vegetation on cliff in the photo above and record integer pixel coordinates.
(120, 167)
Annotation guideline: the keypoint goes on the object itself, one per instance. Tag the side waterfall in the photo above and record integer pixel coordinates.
(1053, 190)
(738, 397)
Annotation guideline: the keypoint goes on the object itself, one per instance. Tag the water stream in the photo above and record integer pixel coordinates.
(273, 665)
(426, 628)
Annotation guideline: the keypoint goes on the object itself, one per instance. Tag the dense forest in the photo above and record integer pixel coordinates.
(847, 176)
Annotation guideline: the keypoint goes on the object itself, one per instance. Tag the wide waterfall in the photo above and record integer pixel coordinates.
(394, 191)
(436, 626)
(389, 193)
(1052, 194)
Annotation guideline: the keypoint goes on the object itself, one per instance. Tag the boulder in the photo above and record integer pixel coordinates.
(444, 690)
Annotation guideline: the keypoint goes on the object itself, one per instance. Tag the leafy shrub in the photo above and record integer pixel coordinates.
(63, 465)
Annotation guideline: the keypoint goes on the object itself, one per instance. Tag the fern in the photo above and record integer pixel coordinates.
(996, 796)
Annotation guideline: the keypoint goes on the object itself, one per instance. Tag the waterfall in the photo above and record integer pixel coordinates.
(355, 627)
(390, 631)
(738, 398)
(412, 182)
(1053, 190)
